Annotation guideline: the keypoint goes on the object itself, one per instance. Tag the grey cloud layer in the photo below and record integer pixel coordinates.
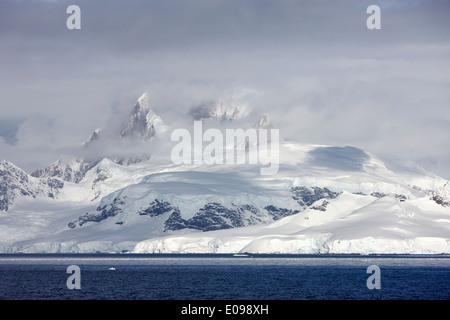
(319, 73)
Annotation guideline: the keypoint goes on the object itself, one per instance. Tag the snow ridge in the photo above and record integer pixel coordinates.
(16, 183)
(323, 199)
(143, 123)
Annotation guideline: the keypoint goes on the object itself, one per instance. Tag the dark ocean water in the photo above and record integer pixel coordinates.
(208, 277)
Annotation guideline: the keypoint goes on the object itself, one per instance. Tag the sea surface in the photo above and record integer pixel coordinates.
(223, 277)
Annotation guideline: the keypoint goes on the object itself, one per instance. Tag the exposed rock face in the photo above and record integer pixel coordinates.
(143, 123)
(442, 195)
(306, 196)
(70, 170)
(14, 183)
(212, 216)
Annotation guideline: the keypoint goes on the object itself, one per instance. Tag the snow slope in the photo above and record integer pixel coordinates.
(16, 183)
(323, 199)
(351, 224)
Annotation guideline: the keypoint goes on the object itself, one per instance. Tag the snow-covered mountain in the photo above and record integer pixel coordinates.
(66, 168)
(350, 223)
(442, 195)
(16, 183)
(220, 110)
(144, 123)
(334, 199)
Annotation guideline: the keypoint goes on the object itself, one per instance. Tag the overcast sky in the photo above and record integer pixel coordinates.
(312, 66)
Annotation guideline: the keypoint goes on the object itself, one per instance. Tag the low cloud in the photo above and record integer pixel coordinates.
(313, 67)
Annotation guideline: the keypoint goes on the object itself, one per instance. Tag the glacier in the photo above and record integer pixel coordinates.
(152, 207)
(323, 199)
(351, 224)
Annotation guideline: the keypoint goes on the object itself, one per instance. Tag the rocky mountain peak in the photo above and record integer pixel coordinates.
(442, 195)
(16, 183)
(143, 122)
(94, 137)
(219, 110)
(263, 122)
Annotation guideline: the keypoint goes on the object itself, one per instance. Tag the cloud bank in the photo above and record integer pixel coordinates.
(313, 67)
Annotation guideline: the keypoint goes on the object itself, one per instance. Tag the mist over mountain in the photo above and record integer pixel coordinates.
(143, 134)
(123, 193)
